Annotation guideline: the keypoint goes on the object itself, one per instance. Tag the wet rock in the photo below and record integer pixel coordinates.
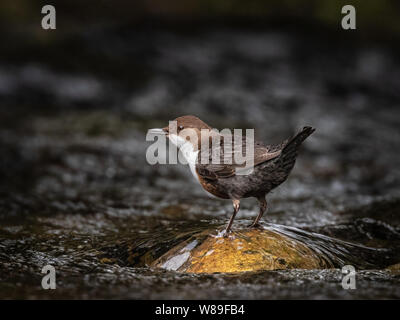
(247, 250)
(395, 268)
(107, 260)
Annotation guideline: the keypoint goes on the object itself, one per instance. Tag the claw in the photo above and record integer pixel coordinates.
(254, 225)
(226, 233)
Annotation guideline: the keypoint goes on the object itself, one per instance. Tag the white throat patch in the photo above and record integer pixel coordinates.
(186, 149)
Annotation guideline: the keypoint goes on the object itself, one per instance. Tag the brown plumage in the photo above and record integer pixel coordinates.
(272, 164)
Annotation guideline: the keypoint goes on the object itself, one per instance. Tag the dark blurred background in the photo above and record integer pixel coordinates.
(373, 17)
(116, 68)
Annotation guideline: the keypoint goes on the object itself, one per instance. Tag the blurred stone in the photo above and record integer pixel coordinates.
(107, 260)
(395, 268)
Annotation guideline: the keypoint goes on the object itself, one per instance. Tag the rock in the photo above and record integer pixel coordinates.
(107, 260)
(248, 250)
(395, 268)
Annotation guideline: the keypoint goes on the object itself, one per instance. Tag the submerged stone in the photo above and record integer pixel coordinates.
(395, 268)
(248, 250)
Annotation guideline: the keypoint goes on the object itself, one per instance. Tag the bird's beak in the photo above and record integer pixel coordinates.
(157, 131)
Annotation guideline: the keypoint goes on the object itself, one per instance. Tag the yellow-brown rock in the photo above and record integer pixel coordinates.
(248, 250)
(395, 268)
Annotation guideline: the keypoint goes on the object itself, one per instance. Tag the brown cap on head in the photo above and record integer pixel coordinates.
(186, 122)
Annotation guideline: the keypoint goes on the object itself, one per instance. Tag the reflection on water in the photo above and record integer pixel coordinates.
(338, 253)
(76, 191)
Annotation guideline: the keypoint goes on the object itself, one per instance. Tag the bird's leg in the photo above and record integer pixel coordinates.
(236, 206)
(263, 208)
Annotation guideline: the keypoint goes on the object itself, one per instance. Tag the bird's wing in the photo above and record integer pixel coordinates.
(221, 160)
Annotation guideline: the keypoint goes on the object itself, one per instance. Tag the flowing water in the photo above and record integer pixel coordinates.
(76, 190)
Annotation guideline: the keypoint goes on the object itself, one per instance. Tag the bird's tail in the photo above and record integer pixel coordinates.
(289, 151)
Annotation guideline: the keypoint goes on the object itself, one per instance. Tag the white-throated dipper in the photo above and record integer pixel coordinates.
(271, 163)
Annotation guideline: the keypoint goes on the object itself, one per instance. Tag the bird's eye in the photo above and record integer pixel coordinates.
(180, 128)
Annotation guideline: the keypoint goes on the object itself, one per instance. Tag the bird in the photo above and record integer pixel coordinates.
(271, 164)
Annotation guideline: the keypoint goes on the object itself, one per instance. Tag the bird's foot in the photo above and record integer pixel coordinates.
(226, 233)
(254, 226)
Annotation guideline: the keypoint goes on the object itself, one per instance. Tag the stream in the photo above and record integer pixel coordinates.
(76, 191)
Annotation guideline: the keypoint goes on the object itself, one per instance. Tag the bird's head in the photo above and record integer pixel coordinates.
(185, 129)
